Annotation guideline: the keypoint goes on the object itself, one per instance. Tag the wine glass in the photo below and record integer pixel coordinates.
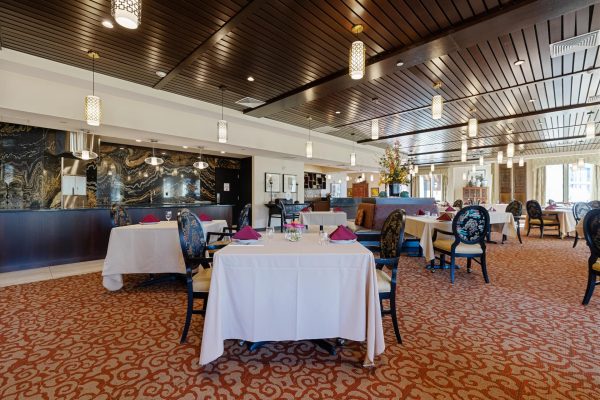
(168, 215)
(270, 232)
(323, 239)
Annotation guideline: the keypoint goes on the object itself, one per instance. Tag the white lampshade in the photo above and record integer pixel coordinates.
(154, 160)
(85, 155)
(201, 164)
(375, 129)
(328, 176)
(509, 163)
(309, 149)
(371, 178)
(437, 106)
(580, 163)
(590, 130)
(500, 156)
(473, 168)
(416, 169)
(464, 147)
(432, 167)
(352, 159)
(472, 127)
(481, 160)
(347, 178)
(521, 161)
(464, 176)
(127, 13)
(510, 150)
(92, 110)
(222, 131)
(357, 60)
(463, 157)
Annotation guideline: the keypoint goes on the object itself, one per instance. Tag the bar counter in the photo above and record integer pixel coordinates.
(44, 237)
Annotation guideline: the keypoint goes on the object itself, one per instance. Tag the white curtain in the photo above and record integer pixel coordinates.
(596, 185)
(539, 184)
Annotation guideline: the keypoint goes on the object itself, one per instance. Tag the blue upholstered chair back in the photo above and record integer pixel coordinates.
(119, 216)
(591, 229)
(471, 224)
(392, 234)
(191, 235)
(580, 209)
(244, 219)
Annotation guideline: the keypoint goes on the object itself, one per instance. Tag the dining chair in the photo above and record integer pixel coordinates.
(388, 249)
(197, 265)
(580, 209)
(515, 207)
(457, 203)
(469, 228)
(119, 216)
(228, 231)
(594, 204)
(591, 230)
(537, 218)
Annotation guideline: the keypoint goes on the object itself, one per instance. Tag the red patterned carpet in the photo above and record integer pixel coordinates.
(523, 336)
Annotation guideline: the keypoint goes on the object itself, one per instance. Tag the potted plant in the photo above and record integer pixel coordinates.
(393, 171)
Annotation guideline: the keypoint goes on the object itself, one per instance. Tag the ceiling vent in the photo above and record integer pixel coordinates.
(326, 129)
(564, 143)
(250, 102)
(578, 43)
(593, 99)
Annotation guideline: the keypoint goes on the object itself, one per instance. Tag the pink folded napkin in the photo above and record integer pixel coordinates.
(337, 209)
(492, 209)
(450, 209)
(342, 233)
(306, 209)
(420, 212)
(445, 217)
(551, 207)
(204, 217)
(246, 233)
(150, 218)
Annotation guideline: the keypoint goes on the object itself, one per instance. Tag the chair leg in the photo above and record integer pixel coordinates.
(468, 265)
(188, 318)
(452, 261)
(442, 260)
(269, 223)
(395, 317)
(484, 269)
(576, 238)
(528, 229)
(519, 234)
(590, 288)
(541, 231)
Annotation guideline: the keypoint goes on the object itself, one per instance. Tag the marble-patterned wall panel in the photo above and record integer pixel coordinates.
(124, 177)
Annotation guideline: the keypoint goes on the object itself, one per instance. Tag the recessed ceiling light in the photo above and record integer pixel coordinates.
(164, 153)
(399, 63)
(185, 147)
(338, 112)
(107, 24)
(138, 140)
(121, 148)
(519, 62)
(532, 100)
(222, 151)
(161, 74)
(250, 79)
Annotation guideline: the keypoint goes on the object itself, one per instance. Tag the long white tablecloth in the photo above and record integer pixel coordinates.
(146, 249)
(565, 217)
(323, 218)
(423, 227)
(292, 291)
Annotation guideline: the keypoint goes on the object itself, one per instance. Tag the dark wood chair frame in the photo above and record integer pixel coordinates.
(591, 225)
(540, 216)
(517, 213)
(580, 209)
(458, 240)
(229, 231)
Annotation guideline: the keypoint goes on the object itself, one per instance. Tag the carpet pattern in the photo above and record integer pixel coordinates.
(523, 336)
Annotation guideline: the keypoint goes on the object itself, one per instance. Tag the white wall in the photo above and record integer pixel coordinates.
(261, 165)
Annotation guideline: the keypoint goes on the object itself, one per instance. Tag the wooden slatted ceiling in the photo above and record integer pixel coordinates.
(287, 44)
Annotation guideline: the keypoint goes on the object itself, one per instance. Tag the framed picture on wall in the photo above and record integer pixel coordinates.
(374, 191)
(290, 183)
(272, 182)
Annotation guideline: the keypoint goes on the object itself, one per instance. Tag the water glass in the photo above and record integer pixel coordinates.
(168, 215)
(270, 231)
(323, 239)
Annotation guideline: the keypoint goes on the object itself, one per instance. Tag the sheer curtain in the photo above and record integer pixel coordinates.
(596, 185)
(539, 184)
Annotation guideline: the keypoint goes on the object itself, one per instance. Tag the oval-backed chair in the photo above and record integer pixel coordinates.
(580, 209)
(515, 207)
(591, 230)
(538, 219)
(457, 203)
(119, 216)
(467, 240)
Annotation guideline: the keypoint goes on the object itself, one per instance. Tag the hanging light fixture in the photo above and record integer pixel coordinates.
(437, 103)
(93, 105)
(580, 163)
(510, 150)
(463, 157)
(500, 156)
(590, 130)
(357, 55)
(416, 169)
(127, 13)
(79, 143)
(347, 178)
(352, 159)
(154, 160)
(432, 167)
(200, 164)
(374, 129)
(472, 127)
(464, 176)
(521, 161)
(509, 163)
(371, 178)
(222, 124)
(481, 160)
(309, 147)
(464, 146)
(473, 168)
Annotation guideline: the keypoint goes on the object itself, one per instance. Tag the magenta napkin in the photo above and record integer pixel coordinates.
(342, 233)
(306, 209)
(204, 217)
(337, 209)
(445, 217)
(247, 233)
(450, 209)
(553, 207)
(150, 218)
(491, 209)
(420, 212)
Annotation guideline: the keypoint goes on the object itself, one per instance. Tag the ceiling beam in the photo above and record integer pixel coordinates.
(477, 30)
(484, 123)
(215, 38)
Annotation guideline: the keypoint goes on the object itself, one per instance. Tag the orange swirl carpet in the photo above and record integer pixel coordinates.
(523, 336)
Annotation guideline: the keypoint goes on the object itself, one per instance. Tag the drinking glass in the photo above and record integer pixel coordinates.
(270, 232)
(323, 239)
(168, 215)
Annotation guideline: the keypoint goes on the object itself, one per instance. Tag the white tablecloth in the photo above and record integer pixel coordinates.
(323, 218)
(565, 217)
(146, 249)
(423, 226)
(292, 291)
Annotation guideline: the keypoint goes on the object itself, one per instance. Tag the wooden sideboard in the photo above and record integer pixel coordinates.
(476, 194)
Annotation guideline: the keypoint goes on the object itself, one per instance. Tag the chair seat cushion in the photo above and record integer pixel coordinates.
(201, 281)
(462, 248)
(596, 266)
(546, 221)
(384, 282)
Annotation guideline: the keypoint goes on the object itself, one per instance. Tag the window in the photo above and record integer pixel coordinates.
(580, 183)
(569, 183)
(425, 186)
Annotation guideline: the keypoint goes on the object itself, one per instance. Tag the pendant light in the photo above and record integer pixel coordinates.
(590, 130)
(472, 127)
(357, 55)
(521, 161)
(500, 157)
(127, 13)
(509, 163)
(374, 129)
(581, 163)
(93, 105)
(481, 160)
(437, 103)
(463, 157)
(371, 178)
(200, 164)
(353, 159)
(464, 147)
(432, 167)
(464, 176)
(78, 146)
(309, 147)
(154, 160)
(510, 150)
(416, 169)
(222, 124)
(473, 168)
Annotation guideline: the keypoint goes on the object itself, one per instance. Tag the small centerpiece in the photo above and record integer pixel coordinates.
(394, 171)
(293, 231)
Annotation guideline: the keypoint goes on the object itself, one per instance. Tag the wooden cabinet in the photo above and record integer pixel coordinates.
(360, 189)
(476, 194)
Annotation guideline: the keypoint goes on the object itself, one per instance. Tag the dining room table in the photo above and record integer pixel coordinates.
(565, 218)
(280, 290)
(151, 248)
